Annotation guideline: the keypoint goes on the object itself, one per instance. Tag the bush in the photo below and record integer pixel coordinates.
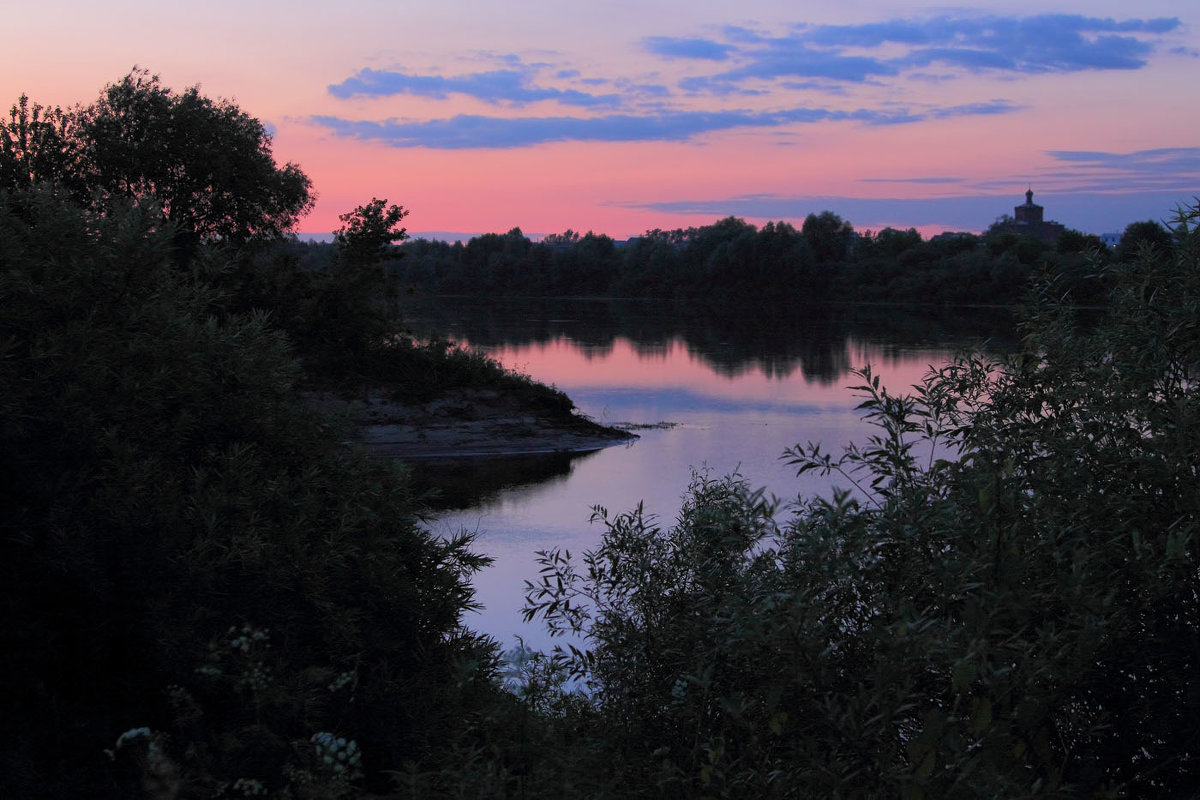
(1003, 603)
(186, 547)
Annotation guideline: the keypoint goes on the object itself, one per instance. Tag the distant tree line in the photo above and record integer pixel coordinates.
(733, 261)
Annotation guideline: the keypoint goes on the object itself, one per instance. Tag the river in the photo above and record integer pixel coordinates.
(721, 392)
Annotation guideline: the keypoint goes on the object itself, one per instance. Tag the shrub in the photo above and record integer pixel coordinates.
(185, 546)
(1003, 603)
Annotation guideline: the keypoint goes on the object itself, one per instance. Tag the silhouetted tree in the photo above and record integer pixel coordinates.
(829, 236)
(206, 164)
(1139, 235)
(36, 144)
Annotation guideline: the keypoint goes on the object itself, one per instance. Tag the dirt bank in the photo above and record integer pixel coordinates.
(470, 424)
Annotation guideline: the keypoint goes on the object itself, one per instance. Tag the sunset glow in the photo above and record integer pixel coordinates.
(622, 117)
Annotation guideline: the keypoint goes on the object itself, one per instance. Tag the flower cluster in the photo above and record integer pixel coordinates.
(336, 752)
(679, 691)
(341, 681)
(247, 637)
(240, 655)
(250, 787)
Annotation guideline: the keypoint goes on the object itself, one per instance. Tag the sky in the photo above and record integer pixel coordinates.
(624, 116)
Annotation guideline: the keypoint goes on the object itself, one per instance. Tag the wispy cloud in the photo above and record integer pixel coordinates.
(500, 86)
(792, 59)
(931, 180)
(678, 47)
(773, 70)
(1182, 162)
(866, 52)
(465, 131)
(1166, 168)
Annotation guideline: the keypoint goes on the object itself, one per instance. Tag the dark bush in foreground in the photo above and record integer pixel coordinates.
(1003, 604)
(188, 549)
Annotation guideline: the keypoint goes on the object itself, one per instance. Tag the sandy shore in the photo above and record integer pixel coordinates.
(470, 424)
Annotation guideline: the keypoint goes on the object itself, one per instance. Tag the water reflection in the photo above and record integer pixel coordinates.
(458, 483)
(732, 342)
(740, 389)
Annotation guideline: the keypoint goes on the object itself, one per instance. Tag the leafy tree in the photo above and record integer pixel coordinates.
(368, 232)
(1073, 241)
(892, 242)
(1138, 235)
(829, 236)
(564, 239)
(36, 145)
(205, 163)
(355, 297)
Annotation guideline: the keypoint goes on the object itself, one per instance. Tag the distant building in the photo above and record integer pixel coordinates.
(1028, 219)
(1110, 240)
(951, 236)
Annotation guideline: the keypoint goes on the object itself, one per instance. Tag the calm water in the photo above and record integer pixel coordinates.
(736, 391)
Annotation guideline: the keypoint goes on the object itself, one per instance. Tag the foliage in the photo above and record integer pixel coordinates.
(368, 232)
(1002, 603)
(205, 164)
(355, 299)
(35, 145)
(830, 236)
(1139, 235)
(775, 266)
(186, 547)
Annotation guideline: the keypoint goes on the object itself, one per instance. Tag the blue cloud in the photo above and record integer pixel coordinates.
(509, 86)
(804, 58)
(1166, 168)
(473, 131)
(467, 131)
(1019, 45)
(1180, 161)
(794, 59)
(675, 47)
(975, 109)
(932, 180)
(1038, 45)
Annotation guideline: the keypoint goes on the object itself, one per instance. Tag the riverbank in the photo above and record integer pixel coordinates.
(467, 423)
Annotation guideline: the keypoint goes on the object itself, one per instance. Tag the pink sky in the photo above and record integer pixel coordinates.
(623, 116)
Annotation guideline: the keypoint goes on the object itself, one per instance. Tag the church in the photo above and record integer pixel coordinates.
(1029, 219)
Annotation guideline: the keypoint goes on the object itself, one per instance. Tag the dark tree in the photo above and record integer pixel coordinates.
(206, 163)
(1072, 241)
(35, 145)
(368, 232)
(1142, 234)
(829, 236)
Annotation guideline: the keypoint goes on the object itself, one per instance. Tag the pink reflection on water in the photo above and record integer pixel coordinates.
(566, 363)
(738, 420)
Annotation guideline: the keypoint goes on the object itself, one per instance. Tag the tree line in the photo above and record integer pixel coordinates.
(733, 261)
